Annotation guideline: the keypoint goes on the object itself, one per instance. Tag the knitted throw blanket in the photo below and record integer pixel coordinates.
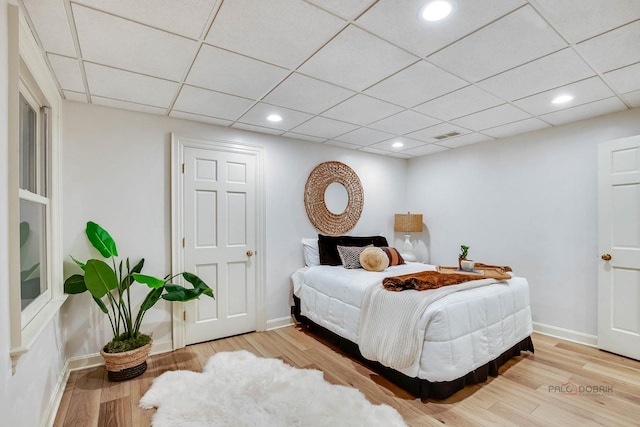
(390, 322)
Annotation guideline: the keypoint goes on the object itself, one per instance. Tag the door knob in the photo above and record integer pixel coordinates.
(606, 257)
(249, 253)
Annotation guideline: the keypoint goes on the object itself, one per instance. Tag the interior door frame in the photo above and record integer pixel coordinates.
(178, 144)
(606, 243)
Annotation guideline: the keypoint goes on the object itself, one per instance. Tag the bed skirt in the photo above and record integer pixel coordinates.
(416, 386)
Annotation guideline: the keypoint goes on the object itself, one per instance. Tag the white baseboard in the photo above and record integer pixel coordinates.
(566, 334)
(52, 409)
(282, 322)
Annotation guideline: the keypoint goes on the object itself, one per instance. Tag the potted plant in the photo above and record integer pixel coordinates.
(464, 251)
(110, 287)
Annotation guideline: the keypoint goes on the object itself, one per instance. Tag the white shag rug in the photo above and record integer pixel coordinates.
(239, 389)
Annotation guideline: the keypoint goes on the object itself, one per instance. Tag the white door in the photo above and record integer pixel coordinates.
(619, 241)
(219, 226)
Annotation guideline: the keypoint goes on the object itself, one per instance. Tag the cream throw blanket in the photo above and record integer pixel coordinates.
(390, 322)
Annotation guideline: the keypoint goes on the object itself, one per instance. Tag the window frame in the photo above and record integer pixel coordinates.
(43, 187)
(27, 68)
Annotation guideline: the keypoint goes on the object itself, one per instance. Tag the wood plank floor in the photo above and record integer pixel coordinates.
(524, 394)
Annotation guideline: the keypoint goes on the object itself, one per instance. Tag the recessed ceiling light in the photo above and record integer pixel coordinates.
(562, 99)
(397, 144)
(436, 10)
(274, 118)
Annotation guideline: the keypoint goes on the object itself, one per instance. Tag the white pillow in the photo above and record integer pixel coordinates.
(311, 251)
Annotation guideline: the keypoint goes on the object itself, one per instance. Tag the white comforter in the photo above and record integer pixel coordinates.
(462, 331)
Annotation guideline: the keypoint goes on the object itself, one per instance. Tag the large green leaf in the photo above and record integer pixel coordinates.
(152, 298)
(75, 284)
(99, 278)
(24, 232)
(101, 305)
(150, 281)
(181, 294)
(78, 263)
(101, 240)
(198, 284)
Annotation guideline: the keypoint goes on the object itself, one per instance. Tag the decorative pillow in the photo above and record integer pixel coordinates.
(311, 252)
(394, 256)
(350, 255)
(327, 246)
(374, 259)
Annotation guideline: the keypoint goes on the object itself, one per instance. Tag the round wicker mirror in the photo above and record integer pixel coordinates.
(320, 216)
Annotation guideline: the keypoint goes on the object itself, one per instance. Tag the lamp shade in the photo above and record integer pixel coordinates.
(408, 222)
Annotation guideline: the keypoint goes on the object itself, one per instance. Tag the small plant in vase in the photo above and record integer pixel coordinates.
(464, 251)
(110, 287)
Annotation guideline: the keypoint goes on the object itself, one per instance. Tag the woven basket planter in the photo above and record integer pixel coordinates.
(126, 365)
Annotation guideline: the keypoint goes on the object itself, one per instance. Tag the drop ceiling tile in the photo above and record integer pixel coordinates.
(259, 129)
(633, 98)
(198, 118)
(74, 96)
(490, 50)
(282, 32)
(464, 140)
(429, 134)
(425, 150)
(209, 103)
(465, 101)
(551, 71)
(119, 43)
(584, 91)
(362, 110)
(400, 22)
(614, 49)
(401, 155)
(186, 17)
(407, 143)
(404, 122)
(231, 73)
(373, 150)
(324, 128)
(364, 136)
(356, 59)
(492, 117)
(303, 137)
(257, 116)
(127, 105)
(345, 9)
(307, 94)
(625, 79)
(67, 71)
(523, 126)
(52, 26)
(342, 144)
(585, 111)
(416, 84)
(126, 86)
(579, 20)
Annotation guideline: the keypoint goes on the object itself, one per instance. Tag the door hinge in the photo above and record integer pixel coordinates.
(183, 168)
(183, 242)
(184, 316)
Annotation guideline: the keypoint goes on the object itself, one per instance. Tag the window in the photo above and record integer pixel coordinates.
(33, 177)
(34, 202)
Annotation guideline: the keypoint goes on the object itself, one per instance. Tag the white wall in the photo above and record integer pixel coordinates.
(5, 360)
(528, 201)
(26, 395)
(117, 172)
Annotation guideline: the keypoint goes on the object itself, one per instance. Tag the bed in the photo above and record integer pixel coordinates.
(467, 334)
